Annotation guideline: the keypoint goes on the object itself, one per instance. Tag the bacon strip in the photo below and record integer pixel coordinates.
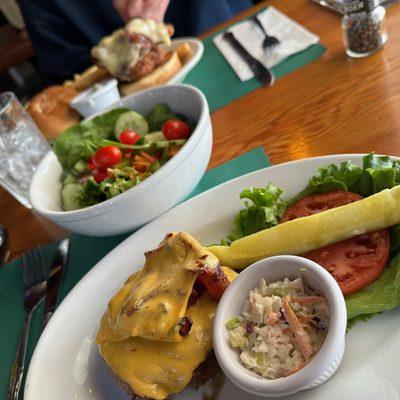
(215, 281)
(186, 325)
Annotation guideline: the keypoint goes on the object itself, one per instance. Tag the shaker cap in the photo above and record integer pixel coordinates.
(359, 6)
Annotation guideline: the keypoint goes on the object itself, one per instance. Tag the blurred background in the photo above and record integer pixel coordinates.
(19, 71)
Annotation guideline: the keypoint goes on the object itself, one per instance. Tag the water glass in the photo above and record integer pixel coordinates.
(22, 147)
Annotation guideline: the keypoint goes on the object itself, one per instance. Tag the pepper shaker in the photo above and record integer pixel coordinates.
(364, 27)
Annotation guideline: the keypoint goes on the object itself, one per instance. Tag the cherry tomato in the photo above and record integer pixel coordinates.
(175, 129)
(129, 137)
(106, 157)
(354, 262)
(99, 176)
(90, 163)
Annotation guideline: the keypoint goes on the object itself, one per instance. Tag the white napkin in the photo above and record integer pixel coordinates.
(293, 39)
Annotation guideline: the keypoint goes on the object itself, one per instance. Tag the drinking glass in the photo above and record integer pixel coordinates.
(22, 147)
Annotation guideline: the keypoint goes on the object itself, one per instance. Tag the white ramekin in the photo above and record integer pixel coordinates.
(96, 98)
(324, 363)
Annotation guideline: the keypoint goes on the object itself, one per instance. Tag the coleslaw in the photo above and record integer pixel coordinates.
(282, 326)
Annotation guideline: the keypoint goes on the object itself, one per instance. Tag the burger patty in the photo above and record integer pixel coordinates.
(148, 63)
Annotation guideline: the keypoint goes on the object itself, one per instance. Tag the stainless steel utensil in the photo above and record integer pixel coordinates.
(262, 73)
(34, 279)
(269, 41)
(54, 280)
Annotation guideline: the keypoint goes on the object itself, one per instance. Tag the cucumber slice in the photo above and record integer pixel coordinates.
(308, 233)
(133, 121)
(68, 179)
(166, 143)
(78, 168)
(154, 137)
(69, 193)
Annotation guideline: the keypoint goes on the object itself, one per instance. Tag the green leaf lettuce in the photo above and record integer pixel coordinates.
(264, 210)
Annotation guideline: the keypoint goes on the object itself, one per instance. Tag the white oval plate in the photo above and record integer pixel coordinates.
(66, 364)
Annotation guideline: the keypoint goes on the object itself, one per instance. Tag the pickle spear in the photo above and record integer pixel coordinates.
(308, 233)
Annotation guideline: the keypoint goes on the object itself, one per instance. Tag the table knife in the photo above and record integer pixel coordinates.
(262, 73)
(54, 280)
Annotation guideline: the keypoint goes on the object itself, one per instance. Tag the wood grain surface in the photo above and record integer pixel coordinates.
(333, 105)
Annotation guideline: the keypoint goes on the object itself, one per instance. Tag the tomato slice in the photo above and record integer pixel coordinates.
(354, 262)
(316, 203)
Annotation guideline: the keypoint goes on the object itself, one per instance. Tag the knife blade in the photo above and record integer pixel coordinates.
(262, 73)
(54, 280)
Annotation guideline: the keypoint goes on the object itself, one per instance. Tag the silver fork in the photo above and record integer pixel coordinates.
(34, 279)
(269, 41)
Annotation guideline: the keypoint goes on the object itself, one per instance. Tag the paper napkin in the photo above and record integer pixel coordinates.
(293, 39)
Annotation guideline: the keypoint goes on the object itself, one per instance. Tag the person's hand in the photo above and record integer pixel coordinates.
(153, 9)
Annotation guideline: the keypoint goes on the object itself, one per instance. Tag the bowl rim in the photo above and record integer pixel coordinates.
(107, 205)
(320, 362)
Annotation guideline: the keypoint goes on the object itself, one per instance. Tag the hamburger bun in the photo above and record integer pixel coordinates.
(159, 76)
(51, 112)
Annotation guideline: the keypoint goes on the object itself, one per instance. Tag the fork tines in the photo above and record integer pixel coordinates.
(33, 265)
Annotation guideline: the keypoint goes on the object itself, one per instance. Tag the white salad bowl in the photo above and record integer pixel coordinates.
(152, 197)
(322, 366)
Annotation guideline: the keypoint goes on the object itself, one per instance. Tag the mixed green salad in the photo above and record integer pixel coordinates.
(265, 208)
(109, 154)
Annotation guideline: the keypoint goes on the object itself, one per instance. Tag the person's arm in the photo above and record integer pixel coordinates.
(153, 9)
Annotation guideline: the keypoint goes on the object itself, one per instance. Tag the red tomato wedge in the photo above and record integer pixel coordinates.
(175, 129)
(106, 157)
(129, 137)
(355, 262)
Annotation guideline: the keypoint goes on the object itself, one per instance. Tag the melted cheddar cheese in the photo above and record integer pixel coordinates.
(156, 369)
(153, 301)
(157, 33)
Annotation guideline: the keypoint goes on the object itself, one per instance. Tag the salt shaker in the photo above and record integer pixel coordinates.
(364, 27)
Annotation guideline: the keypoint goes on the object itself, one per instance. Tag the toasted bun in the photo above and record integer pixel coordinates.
(159, 76)
(51, 112)
(89, 77)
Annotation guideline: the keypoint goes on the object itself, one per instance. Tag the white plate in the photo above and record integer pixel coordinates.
(66, 364)
(197, 51)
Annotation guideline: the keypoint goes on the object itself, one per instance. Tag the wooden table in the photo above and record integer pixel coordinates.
(334, 105)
